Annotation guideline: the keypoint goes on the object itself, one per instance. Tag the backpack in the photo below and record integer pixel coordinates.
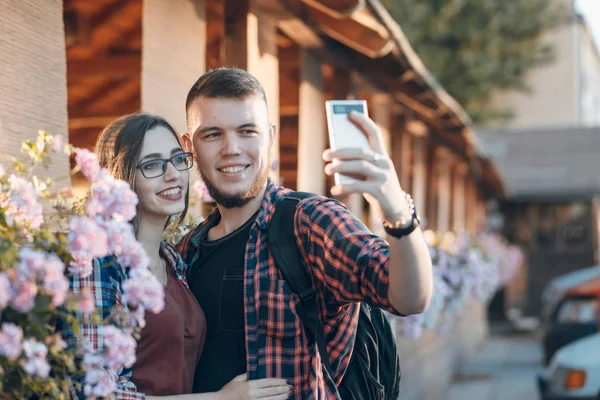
(374, 369)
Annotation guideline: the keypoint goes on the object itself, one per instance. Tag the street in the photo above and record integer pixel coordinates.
(505, 368)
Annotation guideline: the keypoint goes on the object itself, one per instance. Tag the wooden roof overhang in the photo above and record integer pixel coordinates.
(361, 35)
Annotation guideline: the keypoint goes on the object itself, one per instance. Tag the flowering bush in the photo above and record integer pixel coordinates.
(47, 236)
(464, 267)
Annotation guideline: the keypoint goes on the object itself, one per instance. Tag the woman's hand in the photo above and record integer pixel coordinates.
(240, 388)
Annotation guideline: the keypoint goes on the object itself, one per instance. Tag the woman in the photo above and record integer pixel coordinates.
(145, 151)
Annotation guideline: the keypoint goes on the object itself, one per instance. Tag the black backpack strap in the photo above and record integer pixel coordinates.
(284, 249)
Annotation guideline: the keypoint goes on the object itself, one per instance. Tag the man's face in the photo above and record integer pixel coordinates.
(232, 140)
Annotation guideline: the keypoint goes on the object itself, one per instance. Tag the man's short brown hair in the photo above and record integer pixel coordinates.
(226, 83)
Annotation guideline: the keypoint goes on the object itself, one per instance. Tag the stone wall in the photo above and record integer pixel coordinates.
(33, 83)
(430, 363)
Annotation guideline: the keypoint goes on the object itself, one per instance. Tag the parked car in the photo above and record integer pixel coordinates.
(556, 289)
(574, 372)
(573, 317)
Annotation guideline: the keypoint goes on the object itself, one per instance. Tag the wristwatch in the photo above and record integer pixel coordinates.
(406, 224)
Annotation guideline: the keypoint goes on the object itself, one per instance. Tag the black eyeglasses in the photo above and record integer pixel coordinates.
(156, 168)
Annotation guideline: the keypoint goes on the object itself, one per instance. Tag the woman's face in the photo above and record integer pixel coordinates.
(162, 196)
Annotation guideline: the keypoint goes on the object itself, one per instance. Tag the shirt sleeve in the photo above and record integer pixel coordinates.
(105, 286)
(348, 260)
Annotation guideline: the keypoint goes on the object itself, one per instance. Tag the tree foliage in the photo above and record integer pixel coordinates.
(476, 47)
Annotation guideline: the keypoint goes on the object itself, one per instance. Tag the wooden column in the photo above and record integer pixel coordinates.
(481, 213)
(33, 84)
(401, 151)
(471, 204)
(431, 214)
(380, 110)
(459, 196)
(312, 126)
(251, 44)
(173, 58)
(443, 161)
(419, 176)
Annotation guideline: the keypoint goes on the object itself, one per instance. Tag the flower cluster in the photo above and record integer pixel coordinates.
(38, 253)
(102, 369)
(464, 267)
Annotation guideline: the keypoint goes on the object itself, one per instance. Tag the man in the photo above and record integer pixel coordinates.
(251, 314)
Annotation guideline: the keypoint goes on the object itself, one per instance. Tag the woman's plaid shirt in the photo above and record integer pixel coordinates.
(349, 264)
(105, 286)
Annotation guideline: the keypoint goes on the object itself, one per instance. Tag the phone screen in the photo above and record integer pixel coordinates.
(342, 132)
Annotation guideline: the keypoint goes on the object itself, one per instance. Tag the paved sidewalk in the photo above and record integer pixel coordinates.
(505, 368)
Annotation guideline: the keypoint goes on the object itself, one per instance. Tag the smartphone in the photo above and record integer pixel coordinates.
(342, 132)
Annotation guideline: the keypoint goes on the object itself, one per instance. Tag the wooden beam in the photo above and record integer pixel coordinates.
(114, 98)
(337, 8)
(81, 92)
(301, 33)
(91, 122)
(104, 66)
(108, 32)
(361, 32)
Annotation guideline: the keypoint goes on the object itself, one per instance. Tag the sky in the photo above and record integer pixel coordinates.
(591, 11)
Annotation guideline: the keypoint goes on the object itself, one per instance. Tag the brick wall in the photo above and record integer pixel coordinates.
(429, 364)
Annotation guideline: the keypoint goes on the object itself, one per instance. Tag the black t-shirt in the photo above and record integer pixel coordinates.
(217, 281)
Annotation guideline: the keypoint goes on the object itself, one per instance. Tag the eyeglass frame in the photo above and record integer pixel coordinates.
(187, 155)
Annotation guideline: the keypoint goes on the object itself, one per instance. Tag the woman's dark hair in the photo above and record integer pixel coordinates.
(119, 145)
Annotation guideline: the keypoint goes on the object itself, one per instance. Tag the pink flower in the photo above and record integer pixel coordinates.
(111, 199)
(31, 263)
(88, 162)
(36, 363)
(5, 291)
(11, 338)
(119, 348)
(120, 234)
(122, 242)
(24, 294)
(87, 304)
(56, 283)
(87, 240)
(99, 383)
(145, 290)
(57, 143)
(21, 205)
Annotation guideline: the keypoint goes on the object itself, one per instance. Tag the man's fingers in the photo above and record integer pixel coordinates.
(357, 187)
(370, 129)
(355, 153)
(348, 153)
(361, 169)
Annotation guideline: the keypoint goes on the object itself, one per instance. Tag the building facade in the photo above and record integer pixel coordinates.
(566, 92)
(94, 61)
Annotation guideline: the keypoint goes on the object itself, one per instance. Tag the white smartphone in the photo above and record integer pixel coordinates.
(342, 132)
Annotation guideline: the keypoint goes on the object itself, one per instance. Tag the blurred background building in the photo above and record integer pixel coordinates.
(548, 155)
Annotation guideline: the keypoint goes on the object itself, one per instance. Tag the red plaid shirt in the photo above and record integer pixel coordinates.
(349, 265)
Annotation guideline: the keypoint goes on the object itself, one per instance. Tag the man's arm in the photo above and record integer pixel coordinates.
(410, 269)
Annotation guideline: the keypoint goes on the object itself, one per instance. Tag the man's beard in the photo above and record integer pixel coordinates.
(236, 200)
